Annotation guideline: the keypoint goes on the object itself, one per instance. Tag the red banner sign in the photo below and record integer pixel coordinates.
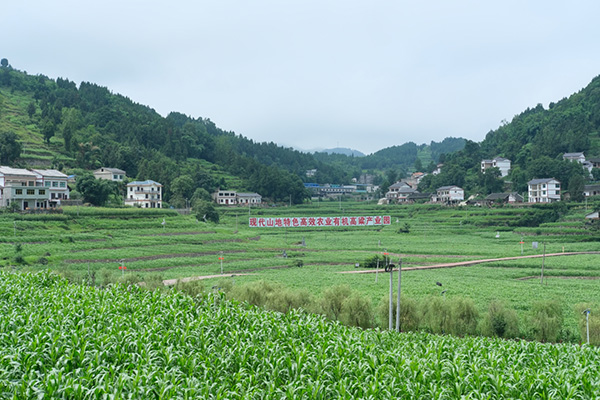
(312, 222)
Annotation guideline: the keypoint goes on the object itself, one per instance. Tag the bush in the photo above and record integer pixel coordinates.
(192, 289)
(405, 228)
(374, 262)
(271, 296)
(436, 314)
(594, 323)
(500, 321)
(154, 281)
(332, 301)
(285, 300)
(546, 320)
(463, 317)
(255, 293)
(106, 277)
(130, 279)
(357, 311)
(409, 313)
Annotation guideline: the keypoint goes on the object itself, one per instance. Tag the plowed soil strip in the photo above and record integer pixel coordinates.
(474, 262)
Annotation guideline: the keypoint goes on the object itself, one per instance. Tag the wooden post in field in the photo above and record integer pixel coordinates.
(543, 260)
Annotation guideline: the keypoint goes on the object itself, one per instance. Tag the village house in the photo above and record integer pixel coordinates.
(144, 194)
(56, 184)
(591, 190)
(506, 198)
(249, 198)
(22, 187)
(232, 198)
(448, 195)
(111, 174)
(398, 189)
(546, 190)
(503, 164)
(579, 157)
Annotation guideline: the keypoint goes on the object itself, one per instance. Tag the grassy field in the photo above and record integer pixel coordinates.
(88, 242)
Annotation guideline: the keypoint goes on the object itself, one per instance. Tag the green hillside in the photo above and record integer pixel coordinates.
(75, 128)
(534, 141)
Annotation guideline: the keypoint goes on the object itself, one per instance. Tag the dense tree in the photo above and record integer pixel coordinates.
(205, 211)
(10, 148)
(31, 109)
(577, 187)
(48, 130)
(95, 191)
(4, 63)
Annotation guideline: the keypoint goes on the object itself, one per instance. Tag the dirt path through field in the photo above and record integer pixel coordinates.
(171, 282)
(473, 262)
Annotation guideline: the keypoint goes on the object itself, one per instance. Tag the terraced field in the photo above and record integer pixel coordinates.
(91, 244)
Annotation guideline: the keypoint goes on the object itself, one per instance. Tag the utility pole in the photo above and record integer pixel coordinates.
(399, 291)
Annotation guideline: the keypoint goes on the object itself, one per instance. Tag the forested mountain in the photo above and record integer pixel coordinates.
(87, 127)
(534, 141)
(398, 159)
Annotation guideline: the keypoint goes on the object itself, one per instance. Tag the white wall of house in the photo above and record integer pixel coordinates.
(111, 174)
(447, 194)
(543, 190)
(144, 194)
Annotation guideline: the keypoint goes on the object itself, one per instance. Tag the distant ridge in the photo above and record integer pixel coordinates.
(343, 150)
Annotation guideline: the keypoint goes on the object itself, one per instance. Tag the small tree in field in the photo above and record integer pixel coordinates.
(205, 211)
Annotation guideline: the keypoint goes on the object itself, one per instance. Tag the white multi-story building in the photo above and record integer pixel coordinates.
(449, 194)
(503, 164)
(144, 194)
(546, 190)
(21, 186)
(55, 183)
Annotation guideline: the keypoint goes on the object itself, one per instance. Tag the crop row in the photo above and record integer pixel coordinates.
(130, 343)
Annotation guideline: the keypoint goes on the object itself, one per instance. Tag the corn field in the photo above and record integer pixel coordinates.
(71, 341)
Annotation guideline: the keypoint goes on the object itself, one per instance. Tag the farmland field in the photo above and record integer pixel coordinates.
(91, 244)
(78, 342)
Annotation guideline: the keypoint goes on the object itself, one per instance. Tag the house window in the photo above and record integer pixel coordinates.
(42, 192)
(115, 177)
(557, 185)
(54, 184)
(18, 191)
(62, 184)
(31, 183)
(47, 183)
(543, 192)
(30, 192)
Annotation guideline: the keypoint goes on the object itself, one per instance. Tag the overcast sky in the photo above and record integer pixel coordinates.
(317, 73)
